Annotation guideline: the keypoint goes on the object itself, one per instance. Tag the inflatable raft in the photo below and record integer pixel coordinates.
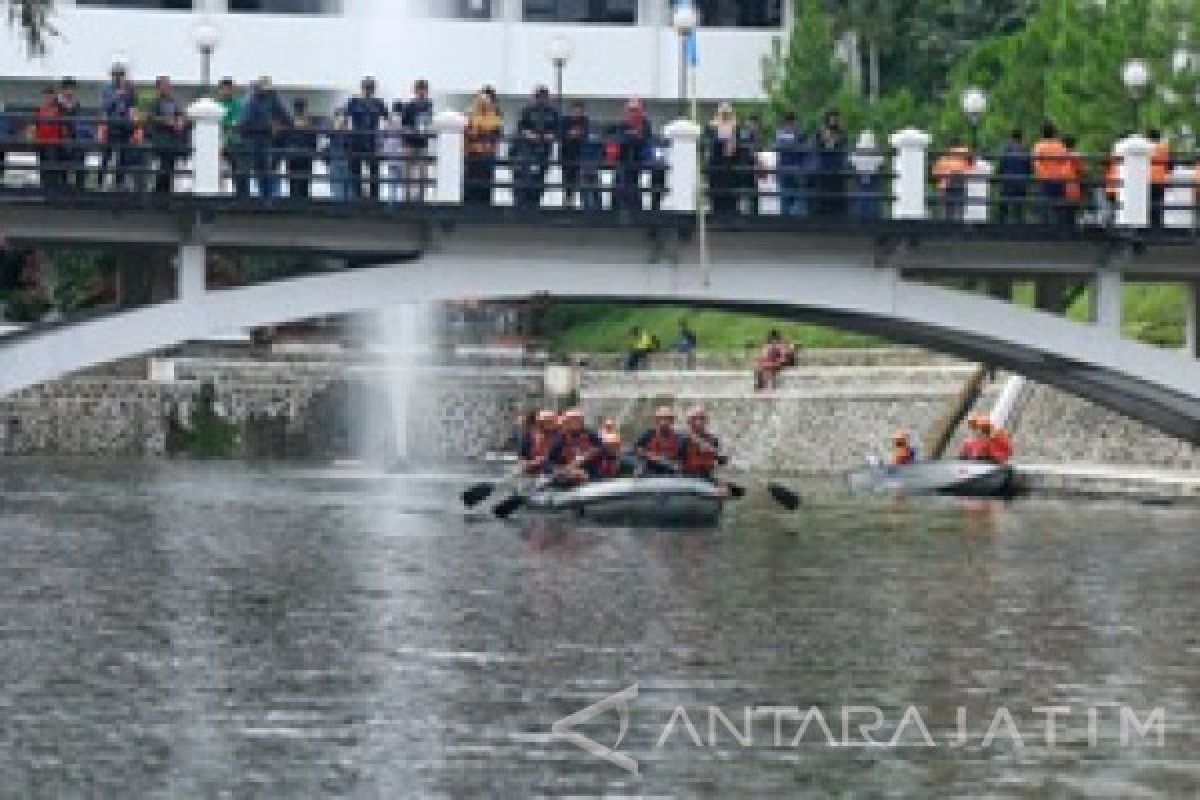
(637, 501)
(960, 478)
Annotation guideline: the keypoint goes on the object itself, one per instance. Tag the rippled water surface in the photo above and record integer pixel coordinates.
(218, 631)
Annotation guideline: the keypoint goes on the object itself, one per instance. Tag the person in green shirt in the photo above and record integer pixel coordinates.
(228, 100)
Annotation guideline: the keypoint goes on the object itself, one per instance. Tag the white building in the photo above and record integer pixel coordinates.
(619, 48)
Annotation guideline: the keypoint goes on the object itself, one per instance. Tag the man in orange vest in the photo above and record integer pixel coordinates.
(661, 448)
(534, 449)
(950, 173)
(1051, 168)
(1160, 175)
(701, 449)
(975, 446)
(903, 452)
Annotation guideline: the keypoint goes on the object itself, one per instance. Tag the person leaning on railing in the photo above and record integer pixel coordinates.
(721, 140)
(76, 133)
(231, 112)
(391, 154)
(418, 119)
(1051, 168)
(576, 127)
(48, 134)
(1015, 170)
(484, 129)
(117, 105)
(168, 134)
(950, 173)
(791, 160)
(537, 130)
(300, 145)
(263, 116)
(1073, 175)
(636, 141)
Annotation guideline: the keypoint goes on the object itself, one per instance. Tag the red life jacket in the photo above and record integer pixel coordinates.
(699, 455)
(664, 446)
(573, 446)
(975, 448)
(903, 454)
(540, 443)
(608, 463)
(999, 447)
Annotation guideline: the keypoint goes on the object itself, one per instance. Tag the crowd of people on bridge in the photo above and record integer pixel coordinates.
(372, 148)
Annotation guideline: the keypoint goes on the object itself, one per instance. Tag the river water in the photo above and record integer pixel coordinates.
(222, 631)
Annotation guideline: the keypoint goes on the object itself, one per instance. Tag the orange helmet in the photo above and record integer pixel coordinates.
(572, 413)
(697, 412)
(664, 412)
(547, 417)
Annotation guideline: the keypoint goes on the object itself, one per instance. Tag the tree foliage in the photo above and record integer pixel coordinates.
(31, 18)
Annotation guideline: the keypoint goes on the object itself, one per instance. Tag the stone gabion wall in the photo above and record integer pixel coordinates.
(1056, 427)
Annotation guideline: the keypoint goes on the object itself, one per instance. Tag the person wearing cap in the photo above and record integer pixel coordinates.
(574, 457)
(263, 117)
(117, 103)
(418, 120)
(701, 448)
(365, 112)
(660, 449)
(537, 129)
(533, 452)
(903, 451)
(610, 463)
(168, 134)
(976, 446)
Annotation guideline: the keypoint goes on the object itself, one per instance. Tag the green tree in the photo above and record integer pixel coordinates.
(32, 20)
(806, 78)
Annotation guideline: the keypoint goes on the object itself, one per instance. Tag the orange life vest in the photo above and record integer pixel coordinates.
(903, 454)
(573, 446)
(975, 448)
(1160, 162)
(700, 454)
(666, 446)
(1000, 446)
(1050, 161)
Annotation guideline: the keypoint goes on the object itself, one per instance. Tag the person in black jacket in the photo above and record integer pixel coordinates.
(300, 141)
(636, 143)
(1015, 171)
(263, 117)
(417, 119)
(576, 129)
(832, 150)
(168, 134)
(365, 111)
(537, 129)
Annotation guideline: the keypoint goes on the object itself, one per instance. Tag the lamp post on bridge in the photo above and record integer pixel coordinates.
(1136, 77)
(974, 104)
(684, 20)
(559, 52)
(206, 36)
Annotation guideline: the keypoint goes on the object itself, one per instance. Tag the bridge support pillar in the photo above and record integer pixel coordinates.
(450, 165)
(191, 275)
(1050, 294)
(999, 288)
(1191, 335)
(206, 146)
(908, 190)
(1108, 289)
(683, 166)
(1133, 195)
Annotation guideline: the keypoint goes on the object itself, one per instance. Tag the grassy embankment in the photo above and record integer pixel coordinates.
(1153, 313)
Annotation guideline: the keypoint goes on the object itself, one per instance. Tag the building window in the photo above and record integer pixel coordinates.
(474, 9)
(286, 6)
(616, 12)
(740, 13)
(159, 5)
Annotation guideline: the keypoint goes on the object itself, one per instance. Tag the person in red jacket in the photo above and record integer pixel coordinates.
(573, 458)
(660, 449)
(534, 449)
(1000, 449)
(701, 449)
(609, 465)
(976, 446)
(771, 361)
(49, 132)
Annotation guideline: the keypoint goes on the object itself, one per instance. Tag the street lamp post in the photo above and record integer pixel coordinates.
(974, 104)
(685, 20)
(1136, 76)
(206, 37)
(559, 51)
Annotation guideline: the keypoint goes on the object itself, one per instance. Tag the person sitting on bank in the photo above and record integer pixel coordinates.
(977, 447)
(534, 450)
(771, 361)
(574, 456)
(701, 448)
(903, 451)
(660, 449)
(685, 344)
(642, 344)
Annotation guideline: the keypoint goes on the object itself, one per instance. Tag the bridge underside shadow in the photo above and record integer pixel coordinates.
(1156, 386)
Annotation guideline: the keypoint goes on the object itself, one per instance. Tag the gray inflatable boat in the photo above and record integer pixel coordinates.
(961, 478)
(637, 501)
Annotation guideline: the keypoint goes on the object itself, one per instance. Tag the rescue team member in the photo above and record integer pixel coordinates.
(975, 446)
(661, 448)
(987, 442)
(950, 172)
(536, 444)
(1051, 167)
(701, 449)
(999, 444)
(574, 456)
(609, 464)
(903, 451)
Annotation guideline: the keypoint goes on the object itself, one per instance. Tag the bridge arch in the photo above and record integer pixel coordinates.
(1150, 384)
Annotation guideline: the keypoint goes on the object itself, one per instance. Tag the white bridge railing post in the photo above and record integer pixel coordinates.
(450, 157)
(1133, 196)
(683, 166)
(1180, 199)
(979, 182)
(911, 174)
(205, 115)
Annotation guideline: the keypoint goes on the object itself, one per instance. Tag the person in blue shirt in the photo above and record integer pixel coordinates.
(1014, 170)
(417, 119)
(263, 117)
(117, 104)
(791, 151)
(365, 111)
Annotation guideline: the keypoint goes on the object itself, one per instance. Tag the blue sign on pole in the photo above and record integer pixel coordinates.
(693, 49)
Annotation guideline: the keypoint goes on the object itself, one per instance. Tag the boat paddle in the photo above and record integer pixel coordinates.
(476, 494)
(783, 496)
(735, 490)
(509, 505)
